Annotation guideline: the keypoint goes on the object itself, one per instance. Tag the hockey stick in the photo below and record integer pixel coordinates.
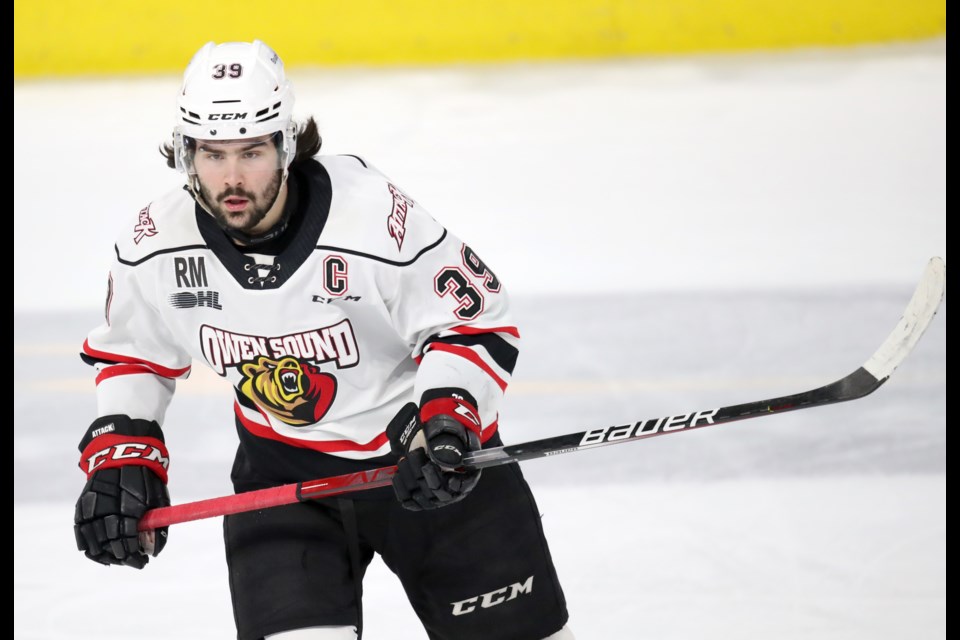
(865, 380)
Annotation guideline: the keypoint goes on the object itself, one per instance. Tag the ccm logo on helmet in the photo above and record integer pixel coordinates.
(493, 598)
(227, 116)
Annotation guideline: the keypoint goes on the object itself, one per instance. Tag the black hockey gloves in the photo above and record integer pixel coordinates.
(126, 465)
(431, 443)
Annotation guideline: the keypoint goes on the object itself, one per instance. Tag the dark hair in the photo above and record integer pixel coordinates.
(308, 144)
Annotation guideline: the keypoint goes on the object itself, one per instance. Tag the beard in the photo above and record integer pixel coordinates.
(258, 205)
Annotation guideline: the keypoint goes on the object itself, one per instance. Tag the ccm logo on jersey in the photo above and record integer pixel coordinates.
(493, 598)
(672, 423)
(325, 300)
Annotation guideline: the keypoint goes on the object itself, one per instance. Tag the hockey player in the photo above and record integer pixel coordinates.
(357, 333)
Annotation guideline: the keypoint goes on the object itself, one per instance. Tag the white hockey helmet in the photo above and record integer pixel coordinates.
(234, 91)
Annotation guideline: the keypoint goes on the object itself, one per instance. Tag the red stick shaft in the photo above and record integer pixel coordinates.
(265, 498)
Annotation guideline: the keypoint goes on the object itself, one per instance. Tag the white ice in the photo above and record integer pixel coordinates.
(678, 233)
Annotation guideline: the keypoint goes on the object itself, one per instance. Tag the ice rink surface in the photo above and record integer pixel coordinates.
(677, 234)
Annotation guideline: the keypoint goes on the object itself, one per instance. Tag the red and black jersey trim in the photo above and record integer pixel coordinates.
(125, 365)
(501, 352)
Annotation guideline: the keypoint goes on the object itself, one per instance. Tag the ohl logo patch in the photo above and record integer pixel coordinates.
(189, 300)
(190, 273)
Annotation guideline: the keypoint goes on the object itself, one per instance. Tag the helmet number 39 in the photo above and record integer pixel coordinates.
(233, 70)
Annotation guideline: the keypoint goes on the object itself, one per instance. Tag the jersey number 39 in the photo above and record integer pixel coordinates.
(453, 281)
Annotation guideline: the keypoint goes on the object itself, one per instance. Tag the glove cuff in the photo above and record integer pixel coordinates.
(118, 441)
(456, 403)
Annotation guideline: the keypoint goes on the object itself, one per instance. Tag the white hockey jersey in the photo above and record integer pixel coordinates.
(370, 303)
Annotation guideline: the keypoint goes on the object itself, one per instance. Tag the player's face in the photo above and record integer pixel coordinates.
(239, 180)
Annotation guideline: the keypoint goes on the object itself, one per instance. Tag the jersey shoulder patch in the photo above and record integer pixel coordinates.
(163, 225)
(370, 214)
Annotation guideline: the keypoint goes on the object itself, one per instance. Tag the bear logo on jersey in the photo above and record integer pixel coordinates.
(291, 390)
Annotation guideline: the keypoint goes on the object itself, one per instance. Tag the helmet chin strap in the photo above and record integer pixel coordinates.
(193, 186)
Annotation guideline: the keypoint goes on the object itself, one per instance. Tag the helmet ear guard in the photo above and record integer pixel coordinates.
(183, 150)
